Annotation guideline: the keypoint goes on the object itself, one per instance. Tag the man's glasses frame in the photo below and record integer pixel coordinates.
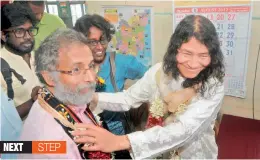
(79, 70)
(20, 32)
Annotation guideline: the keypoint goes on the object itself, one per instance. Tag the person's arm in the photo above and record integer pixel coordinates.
(199, 116)
(156, 140)
(24, 108)
(11, 123)
(134, 68)
(133, 97)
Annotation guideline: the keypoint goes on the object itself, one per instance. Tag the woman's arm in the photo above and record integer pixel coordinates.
(156, 140)
(199, 115)
(133, 97)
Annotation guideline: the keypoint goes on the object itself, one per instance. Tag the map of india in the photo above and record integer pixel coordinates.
(133, 32)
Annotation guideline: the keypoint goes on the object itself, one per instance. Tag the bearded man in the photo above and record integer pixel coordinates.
(65, 65)
(18, 77)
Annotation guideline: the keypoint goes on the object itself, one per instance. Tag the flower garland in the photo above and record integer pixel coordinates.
(98, 119)
(100, 84)
(156, 114)
(99, 154)
(157, 117)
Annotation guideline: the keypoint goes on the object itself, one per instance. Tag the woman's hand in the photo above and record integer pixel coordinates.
(95, 98)
(99, 139)
(93, 103)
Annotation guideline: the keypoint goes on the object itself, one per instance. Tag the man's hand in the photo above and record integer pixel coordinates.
(34, 94)
(99, 139)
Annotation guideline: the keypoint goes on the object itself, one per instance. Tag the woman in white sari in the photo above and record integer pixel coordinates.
(185, 92)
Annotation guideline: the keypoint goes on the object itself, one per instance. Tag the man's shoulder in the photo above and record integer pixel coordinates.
(2, 49)
(10, 58)
(38, 115)
(124, 55)
(41, 125)
(124, 59)
(4, 53)
(52, 19)
(51, 16)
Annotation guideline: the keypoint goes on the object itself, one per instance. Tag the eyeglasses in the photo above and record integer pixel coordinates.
(95, 42)
(20, 32)
(80, 69)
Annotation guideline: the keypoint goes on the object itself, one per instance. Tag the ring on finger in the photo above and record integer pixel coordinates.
(88, 144)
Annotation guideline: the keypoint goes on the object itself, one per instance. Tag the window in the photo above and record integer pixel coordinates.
(53, 9)
(76, 12)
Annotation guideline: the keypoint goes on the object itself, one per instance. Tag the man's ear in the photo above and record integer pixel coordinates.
(48, 79)
(3, 36)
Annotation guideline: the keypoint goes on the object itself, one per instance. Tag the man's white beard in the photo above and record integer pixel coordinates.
(67, 96)
(73, 97)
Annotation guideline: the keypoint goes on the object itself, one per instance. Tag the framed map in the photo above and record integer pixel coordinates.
(133, 31)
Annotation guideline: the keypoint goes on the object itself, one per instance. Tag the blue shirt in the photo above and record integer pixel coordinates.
(127, 67)
(11, 123)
